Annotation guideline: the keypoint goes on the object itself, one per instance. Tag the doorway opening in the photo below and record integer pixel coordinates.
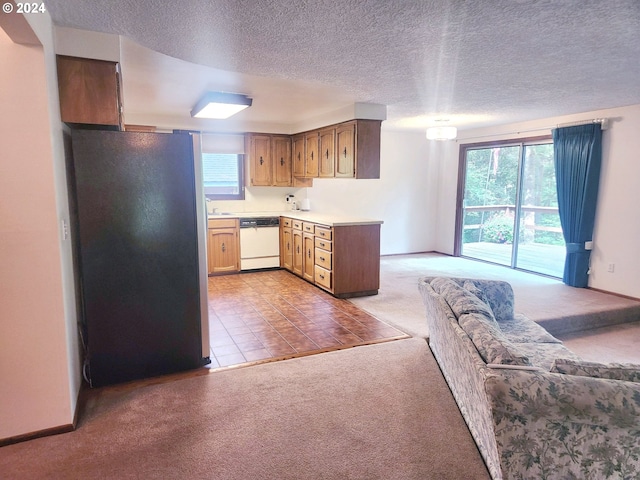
(507, 206)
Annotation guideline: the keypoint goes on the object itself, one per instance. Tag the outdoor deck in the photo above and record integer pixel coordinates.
(534, 257)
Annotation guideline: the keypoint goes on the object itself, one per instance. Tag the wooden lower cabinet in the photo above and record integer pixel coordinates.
(286, 246)
(343, 260)
(297, 252)
(308, 260)
(223, 246)
(355, 260)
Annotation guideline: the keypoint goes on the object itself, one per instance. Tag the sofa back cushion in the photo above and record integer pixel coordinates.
(612, 371)
(491, 344)
(460, 299)
(497, 294)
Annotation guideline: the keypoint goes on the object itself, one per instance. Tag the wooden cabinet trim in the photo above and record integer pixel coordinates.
(222, 223)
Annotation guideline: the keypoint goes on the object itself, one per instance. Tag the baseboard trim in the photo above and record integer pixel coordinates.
(37, 434)
(621, 295)
(53, 430)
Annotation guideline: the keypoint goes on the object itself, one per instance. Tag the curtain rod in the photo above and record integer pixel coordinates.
(604, 124)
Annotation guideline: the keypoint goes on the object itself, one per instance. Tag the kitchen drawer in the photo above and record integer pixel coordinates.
(222, 222)
(323, 277)
(297, 224)
(286, 222)
(323, 232)
(308, 227)
(324, 244)
(323, 258)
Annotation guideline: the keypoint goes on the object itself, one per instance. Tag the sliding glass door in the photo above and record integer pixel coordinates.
(509, 210)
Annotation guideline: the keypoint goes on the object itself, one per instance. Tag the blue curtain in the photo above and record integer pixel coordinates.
(578, 157)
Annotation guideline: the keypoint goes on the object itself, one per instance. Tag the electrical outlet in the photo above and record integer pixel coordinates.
(611, 267)
(65, 229)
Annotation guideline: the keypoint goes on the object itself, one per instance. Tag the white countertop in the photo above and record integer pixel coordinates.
(315, 217)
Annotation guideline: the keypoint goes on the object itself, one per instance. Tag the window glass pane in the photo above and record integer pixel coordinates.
(540, 242)
(221, 173)
(489, 203)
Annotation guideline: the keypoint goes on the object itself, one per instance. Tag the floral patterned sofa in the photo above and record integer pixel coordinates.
(535, 410)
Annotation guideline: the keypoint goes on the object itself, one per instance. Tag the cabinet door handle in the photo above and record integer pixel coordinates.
(298, 156)
(224, 248)
(298, 249)
(309, 253)
(312, 156)
(322, 258)
(345, 152)
(321, 276)
(282, 161)
(261, 161)
(327, 154)
(288, 246)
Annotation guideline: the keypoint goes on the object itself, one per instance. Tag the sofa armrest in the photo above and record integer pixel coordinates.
(548, 423)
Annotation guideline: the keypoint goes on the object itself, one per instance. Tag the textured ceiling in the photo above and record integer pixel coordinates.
(477, 62)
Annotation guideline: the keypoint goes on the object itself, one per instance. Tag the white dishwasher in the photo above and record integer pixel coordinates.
(259, 242)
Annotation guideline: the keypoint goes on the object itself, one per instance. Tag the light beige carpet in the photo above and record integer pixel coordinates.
(542, 299)
(372, 412)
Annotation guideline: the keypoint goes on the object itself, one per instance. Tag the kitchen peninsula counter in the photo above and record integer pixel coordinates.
(340, 254)
(329, 220)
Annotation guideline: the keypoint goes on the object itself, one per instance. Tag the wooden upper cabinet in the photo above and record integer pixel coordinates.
(367, 148)
(345, 150)
(89, 91)
(326, 167)
(311, 154)
(281, 156)
(260, 160)
(350, 149)
(297, 147)
(269, 159)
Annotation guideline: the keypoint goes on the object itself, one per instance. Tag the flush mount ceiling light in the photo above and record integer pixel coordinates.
(442, 133)
(220, 105)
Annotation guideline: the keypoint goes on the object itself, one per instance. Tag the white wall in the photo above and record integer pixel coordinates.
(39, 365)
(617, 229)
(404, 196)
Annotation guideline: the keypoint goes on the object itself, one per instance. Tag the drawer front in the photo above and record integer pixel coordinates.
(297, 224)
(323, 277)
(308, 227)
(324, 244)
(286, 222)
(222, 223)
(323, 258)
(323, 232)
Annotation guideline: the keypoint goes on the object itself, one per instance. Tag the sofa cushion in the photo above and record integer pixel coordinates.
(522, 330)
(613, 371)
(491, 344)
(473, 288)
(543, 355)
(460, 299)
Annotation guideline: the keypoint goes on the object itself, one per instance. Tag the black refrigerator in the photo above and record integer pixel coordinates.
(139, 254)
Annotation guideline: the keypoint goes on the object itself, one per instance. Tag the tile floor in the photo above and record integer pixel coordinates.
(264, 316)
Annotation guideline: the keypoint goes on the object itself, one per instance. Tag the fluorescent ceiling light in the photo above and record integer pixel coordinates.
(220, 105)
(442, 133)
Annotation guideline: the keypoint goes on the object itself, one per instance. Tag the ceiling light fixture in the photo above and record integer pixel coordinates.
(442, 133)
(220, 105)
